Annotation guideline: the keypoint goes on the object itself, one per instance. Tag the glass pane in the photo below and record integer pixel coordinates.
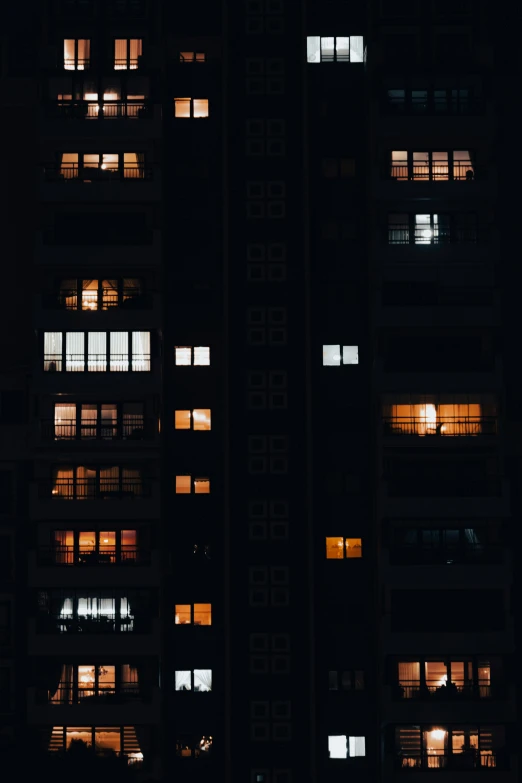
(313, 45)
(331, 355)
(182, 108)
(69, 60)
(342, 48)
(183, 485)
(84, 734)
(183, 356)
(87, 541)
(64, 421)
(89, 420)
(107, 546)
(337, 747)
(202, 614)
(201, 418)
(436, 674)
(333, 683)
(182, 420)
(201, 486)
(182, 614)
(52, 352)
(327, 49)
(334, 548)
(350, 354)
(421, 165)
(108, 739)
(439, 166)
(200, 107)
(141, 351)
(357, 746)
(356, 48)
(97, 351)
(201, 355)
(119, 357)
(89, 294)
(183, 681)
(353, 547)
(74, 352)
(202, 680)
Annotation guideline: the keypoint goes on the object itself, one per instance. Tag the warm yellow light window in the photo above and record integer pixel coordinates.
(87, 541)
(200, 107)
(202, 614)
(183, 614)
(183, 485)
(201, 418)
(202, 486)
(182, 108)
(353, 547)
(334, 548)
(182, 420)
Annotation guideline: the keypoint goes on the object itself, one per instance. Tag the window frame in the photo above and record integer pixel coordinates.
(104, 365)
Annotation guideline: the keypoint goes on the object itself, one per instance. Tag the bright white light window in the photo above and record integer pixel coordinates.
(198, 356)
(201, 355)
(356, 746)
(335, 355)
(323, 49)
(337, 747)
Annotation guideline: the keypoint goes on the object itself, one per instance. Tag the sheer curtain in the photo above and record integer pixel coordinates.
(132, 481)
(109, 479)
(183, 681)
(64, 692)
(120, 54)
(62, 480)
(409, 673)
(64, 421)
(136, 50)
(74, 351)
(119, 354)
(141, 351)
(97, 351)
(202, 679)
(53, 351)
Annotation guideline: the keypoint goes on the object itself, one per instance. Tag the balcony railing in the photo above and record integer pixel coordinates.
(94, 489)
(437, 172)
(414, 689)
(106, 694)
(108, 299)
(483, 759)
(446, 426)
(99, 624)
(97, 362)
(71, 556)
(133, 427)
(72, 172)
(417, 554)
(404, 234)
(89, 110)
(76, 63)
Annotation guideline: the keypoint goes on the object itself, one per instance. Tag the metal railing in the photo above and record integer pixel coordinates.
(436, 172)
(108, 693)
(446, 426)
(414, 689)
(78, 362)
(99, 624)
(72, 172)
(94, 489)
(404, 234)
(76, 63)
(126, 63)
(71, 556)
(98, 110)
(132, 427)
(108, 299)
(479, 759)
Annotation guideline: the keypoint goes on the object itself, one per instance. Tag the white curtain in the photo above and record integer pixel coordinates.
(313, 46)
(356, 49)
(74, 351)
(97, 351)
(141, 351)
(52, 351)
(202, 679)
(64, 694)
(183, 681)
(119, 358)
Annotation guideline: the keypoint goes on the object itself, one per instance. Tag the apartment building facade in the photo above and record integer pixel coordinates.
(263, 250)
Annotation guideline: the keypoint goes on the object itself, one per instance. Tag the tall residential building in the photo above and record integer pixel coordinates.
(260, 316)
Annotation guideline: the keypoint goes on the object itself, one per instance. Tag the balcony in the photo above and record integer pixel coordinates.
(136, 498)
(80, 706)
(442, 496)
(133, 183)
(89, 434)
(67, 566)
(132, 119)
(52, 635)
(456, 180)
(63, 309)
(479, 760)
(443, 427)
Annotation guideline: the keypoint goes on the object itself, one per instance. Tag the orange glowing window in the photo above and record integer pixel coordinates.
(339, 548)
(182, 420)
(202, 486)
(183, 485)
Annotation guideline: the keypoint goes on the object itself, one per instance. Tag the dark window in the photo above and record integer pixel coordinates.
(447, 610)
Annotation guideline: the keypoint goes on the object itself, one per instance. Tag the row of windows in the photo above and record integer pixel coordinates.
(127, 53)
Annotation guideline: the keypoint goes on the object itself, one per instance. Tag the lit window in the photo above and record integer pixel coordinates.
(183, 614)
(76, 54)
(89, 351)
(197, 356)
(202, 614)
(343, 747)
(323, 49)
(186, 108)
(126, 53)
(185, 485)
(197, 419)
(198, 680)
(192, 57)
(339, 548)
(335, 355)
